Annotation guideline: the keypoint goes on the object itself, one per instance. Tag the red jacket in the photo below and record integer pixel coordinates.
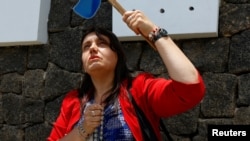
(157, 97)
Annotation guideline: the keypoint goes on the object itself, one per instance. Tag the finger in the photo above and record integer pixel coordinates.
(129, 18)
(126, 15)
(95, 107)
(133, 20)
(94, 110)
(91, 125)
(95, 113)
(96, 119)
(133, 24)
(91, 122)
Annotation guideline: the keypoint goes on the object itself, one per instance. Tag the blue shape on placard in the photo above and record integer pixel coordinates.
(87, 8)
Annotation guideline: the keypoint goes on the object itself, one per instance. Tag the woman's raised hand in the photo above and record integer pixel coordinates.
(138, 22)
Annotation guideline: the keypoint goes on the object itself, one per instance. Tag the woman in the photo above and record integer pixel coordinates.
(102, 110)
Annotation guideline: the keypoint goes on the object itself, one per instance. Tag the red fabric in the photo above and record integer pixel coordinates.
(69, 115)
(157, 97)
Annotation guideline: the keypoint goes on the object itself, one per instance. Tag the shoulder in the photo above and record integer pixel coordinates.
(141, 81)
(71, 94)
(71, 100)
(140, 76)
(145, 79)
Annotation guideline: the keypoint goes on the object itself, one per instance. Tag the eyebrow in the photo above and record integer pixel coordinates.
(99, 38)
(103, 38)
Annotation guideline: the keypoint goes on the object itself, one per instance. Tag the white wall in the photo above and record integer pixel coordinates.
(23, 22)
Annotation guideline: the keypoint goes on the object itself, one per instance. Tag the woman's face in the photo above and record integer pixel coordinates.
(97, 55)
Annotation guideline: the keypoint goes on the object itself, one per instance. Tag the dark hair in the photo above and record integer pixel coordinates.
(121, 70)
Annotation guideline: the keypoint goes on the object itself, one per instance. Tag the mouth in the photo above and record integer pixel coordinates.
(94, 57)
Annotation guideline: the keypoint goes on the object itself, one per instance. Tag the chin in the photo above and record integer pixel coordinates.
(95, 67)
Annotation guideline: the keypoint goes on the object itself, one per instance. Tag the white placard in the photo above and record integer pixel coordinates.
(182, 19)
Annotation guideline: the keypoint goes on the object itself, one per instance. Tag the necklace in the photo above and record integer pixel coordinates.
(98, 133)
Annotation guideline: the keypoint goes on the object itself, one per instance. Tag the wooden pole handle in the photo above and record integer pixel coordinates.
(121, 10)
(117, 6)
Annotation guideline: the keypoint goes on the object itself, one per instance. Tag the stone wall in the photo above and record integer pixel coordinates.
(34, 79)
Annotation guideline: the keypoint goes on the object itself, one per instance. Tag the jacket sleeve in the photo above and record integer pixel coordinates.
(167, 97)
(68, 116)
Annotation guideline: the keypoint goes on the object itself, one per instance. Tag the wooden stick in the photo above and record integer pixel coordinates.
(117, 6)
(121, 10)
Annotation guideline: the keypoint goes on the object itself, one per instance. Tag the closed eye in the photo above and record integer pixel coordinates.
(86, 46)
(103, 43)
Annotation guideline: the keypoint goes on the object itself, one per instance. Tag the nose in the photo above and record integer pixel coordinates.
(93, 48)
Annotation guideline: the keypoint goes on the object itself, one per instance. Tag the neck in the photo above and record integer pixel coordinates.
(103, 86)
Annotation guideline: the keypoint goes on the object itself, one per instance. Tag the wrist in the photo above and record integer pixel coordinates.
(82, 132)
(157, 33)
